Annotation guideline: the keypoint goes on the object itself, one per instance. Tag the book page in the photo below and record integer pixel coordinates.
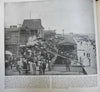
(98, 18)
(49, 45)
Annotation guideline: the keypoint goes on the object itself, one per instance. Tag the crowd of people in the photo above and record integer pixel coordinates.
(37, 59)
(34, 58)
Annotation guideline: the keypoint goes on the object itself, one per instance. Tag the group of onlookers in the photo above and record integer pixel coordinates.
(25, 66)
(34, 59)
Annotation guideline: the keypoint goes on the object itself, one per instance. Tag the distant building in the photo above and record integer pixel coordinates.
(12, 39)
(67, 47)
(68, 44)
(16, 37)
(49, 34)
(31, 28)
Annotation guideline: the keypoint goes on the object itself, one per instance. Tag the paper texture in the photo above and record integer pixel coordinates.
(49, 46)
(98, 18)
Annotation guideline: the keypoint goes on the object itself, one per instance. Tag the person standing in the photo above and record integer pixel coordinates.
(87, 55)
(84, 53)
(89, 61)
(49, 67)
(32, 68)
(6, 63)
(20, 65)
(11, 62)
(44, 67)
(40, 69)
(67, 62)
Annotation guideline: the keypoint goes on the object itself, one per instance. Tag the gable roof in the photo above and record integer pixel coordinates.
(32, 24)
(68, 40)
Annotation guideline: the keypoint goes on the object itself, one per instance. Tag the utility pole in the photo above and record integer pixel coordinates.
(30, 13)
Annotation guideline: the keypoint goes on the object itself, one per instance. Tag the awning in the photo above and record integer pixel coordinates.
(8, 53)
(68, 40)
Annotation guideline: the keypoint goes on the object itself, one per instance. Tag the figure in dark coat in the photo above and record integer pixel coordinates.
(67, 62)
(44, 67)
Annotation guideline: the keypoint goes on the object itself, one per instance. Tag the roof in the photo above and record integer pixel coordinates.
(11, 29)
(68, 40)
(49, 32)
(32, 24)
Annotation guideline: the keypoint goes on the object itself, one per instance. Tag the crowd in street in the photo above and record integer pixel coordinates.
(38, 58)
(34, 58)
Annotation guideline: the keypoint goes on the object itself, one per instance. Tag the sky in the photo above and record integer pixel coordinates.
(69, 15)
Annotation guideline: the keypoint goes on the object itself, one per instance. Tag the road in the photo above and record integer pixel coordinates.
(58, 69)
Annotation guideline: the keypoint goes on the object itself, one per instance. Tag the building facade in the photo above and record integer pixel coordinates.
(12, 39)
(16, 37)
(31, 29)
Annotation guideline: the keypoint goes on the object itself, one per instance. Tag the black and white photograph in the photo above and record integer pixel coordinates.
(50, 37)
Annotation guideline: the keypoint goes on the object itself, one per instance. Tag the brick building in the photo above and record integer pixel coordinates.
(15, 37)
(12, 39)
(30, 28)
(49, 34)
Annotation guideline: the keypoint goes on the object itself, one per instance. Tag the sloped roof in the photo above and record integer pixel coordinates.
(32, 24)
(68, 40)
(49, 32)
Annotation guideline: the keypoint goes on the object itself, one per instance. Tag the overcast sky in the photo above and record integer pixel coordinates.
(71, 15)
